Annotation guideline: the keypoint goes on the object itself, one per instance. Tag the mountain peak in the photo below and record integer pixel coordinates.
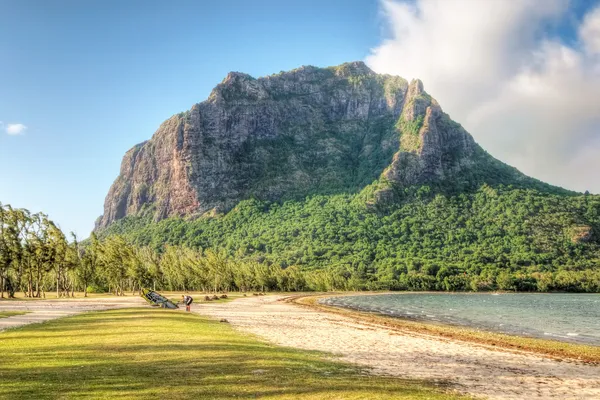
(236, 76)
(416, 86)
(306, 131)
(353, 68)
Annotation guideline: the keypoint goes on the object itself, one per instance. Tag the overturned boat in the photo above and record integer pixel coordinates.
(156, 299)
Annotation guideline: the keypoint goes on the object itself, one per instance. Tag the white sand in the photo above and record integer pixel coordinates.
(469, 368)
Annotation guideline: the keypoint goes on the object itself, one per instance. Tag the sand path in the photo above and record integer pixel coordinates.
(469, 368)
(45, 310)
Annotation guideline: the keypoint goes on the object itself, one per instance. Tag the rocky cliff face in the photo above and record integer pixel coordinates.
(286, 136)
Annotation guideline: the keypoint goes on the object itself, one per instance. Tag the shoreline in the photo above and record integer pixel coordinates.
(466, 367)
(555, 349)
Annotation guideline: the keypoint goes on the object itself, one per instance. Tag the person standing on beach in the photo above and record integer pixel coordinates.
(187, 300)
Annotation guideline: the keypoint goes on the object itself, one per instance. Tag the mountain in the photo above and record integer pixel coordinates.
(298, 133)
(359, 180)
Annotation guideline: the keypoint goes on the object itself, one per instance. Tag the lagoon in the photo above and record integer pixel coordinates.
(571, 318)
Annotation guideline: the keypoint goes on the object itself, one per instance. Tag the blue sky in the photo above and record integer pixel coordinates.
(89, 79)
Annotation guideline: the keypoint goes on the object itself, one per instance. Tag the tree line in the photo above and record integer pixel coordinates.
(494, 239)
(36, 257)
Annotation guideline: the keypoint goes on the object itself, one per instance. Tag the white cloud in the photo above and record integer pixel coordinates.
(590, 32)
(529, 99)
(15, 129)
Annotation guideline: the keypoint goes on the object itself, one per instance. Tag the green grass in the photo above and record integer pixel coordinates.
(153, 353)
(6, 314)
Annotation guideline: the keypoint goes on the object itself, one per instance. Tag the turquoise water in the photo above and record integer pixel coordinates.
(566, 317)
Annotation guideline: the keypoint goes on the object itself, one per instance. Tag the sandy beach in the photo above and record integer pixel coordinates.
(469, 368)
(478, 370)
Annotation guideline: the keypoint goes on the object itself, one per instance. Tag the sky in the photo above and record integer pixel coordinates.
(81, 82)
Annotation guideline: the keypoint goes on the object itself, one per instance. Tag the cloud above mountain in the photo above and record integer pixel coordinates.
(526, 92)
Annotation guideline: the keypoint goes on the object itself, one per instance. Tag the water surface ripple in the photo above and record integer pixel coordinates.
(571, 318)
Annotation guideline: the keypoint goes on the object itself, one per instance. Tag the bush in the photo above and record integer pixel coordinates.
(96, 289)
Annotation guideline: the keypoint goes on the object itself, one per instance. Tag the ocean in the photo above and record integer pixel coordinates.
(571, 318)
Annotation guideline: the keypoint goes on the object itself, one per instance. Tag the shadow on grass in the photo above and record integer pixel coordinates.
(136, 353)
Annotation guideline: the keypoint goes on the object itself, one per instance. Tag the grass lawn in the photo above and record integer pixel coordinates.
(6, 314)
(155, 353)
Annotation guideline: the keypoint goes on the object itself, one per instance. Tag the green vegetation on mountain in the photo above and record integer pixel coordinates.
(495, 238)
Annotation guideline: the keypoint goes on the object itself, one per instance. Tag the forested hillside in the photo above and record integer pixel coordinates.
(494, 238)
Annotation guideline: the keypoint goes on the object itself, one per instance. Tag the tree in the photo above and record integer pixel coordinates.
(151, 260)
(89, 261)
(116, 258)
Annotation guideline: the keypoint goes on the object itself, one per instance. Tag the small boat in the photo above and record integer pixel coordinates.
(157, 299)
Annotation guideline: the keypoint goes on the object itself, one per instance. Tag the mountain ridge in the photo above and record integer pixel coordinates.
(303, 132)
